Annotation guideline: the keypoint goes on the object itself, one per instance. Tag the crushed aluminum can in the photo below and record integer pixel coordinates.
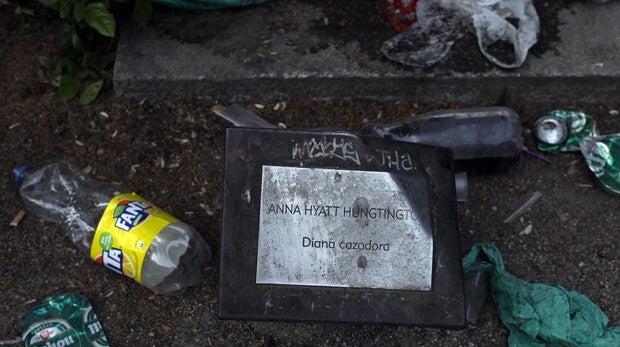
(63, 320)
(602, 154)
(561, 131)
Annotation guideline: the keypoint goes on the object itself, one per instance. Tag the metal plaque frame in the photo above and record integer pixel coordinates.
(262, 274)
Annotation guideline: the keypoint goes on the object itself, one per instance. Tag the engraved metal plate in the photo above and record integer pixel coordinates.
(328, 226)
(342, 228)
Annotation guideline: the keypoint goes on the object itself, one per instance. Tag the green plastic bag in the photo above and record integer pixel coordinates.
(538, 314)
(207, 4)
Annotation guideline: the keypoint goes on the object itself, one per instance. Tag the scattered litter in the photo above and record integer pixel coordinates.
(599, 64)
(538, 314)
(281, 125)
(104, 114)
(471, 133)
(460, 183)
(210, 212)
(18, 218)
(28, 302)
(182, 141)
(26, 11)
(561, 130)
(602, 154)
(613, 112)
(529, 203)
(15, 125)
(48, 192)
(87, 169)
(400, 13)
(440, 23)
(114, 133)
(527, 230)
(536, 155)
(79, 143)
(279, 106)
(241, 116)
(100, 151)
(63, 320)
(259, 106)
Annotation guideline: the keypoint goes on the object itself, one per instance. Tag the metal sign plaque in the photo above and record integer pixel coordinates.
(328, 226)
(342, 228)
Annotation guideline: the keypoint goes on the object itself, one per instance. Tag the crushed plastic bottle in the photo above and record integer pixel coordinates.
(471, 133)
(602, 154)
(115, 227)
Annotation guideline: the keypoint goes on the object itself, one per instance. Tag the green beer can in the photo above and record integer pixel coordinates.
(561, 131)
(602, 155)
(63, 320)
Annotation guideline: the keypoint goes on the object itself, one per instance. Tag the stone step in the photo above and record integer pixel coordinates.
(329, 48)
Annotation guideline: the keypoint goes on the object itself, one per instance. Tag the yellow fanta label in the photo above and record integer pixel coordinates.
(126, 230)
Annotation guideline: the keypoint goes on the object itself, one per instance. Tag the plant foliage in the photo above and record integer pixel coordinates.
(86, 38)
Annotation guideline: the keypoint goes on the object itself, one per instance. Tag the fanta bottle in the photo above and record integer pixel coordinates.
(115, 227)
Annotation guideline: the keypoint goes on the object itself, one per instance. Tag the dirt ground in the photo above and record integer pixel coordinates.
(574, 227)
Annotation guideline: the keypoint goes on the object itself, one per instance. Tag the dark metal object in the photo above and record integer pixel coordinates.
(241, 116)
(423, 174)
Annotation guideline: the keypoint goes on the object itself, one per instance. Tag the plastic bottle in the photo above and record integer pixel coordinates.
(116, 228)
(471, 133)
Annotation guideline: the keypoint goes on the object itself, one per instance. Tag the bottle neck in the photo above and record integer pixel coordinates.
(19, 173)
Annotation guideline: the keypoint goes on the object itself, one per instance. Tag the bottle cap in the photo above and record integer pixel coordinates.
(551, 130)
(19, 174)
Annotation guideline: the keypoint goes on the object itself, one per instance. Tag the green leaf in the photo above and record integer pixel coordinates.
(66, 64)
(46, 62)
(99, 18)
(90, 92)
(75, 41)
(53, 4)
(69, 87)
(86, 74)
(142, 12)
(64, 8)
(79, 10)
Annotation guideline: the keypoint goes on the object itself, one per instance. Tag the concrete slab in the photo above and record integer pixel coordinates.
(326, 49)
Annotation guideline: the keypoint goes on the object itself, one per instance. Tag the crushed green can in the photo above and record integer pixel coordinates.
(63, 320)
(561, 131)
(602, 155)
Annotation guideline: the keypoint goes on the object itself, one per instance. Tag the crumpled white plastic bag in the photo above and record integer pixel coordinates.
(442, 22)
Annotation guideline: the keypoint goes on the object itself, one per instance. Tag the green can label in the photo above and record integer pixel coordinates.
(53, 332)
(573, 126)
(602, 154)
(63, 320)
